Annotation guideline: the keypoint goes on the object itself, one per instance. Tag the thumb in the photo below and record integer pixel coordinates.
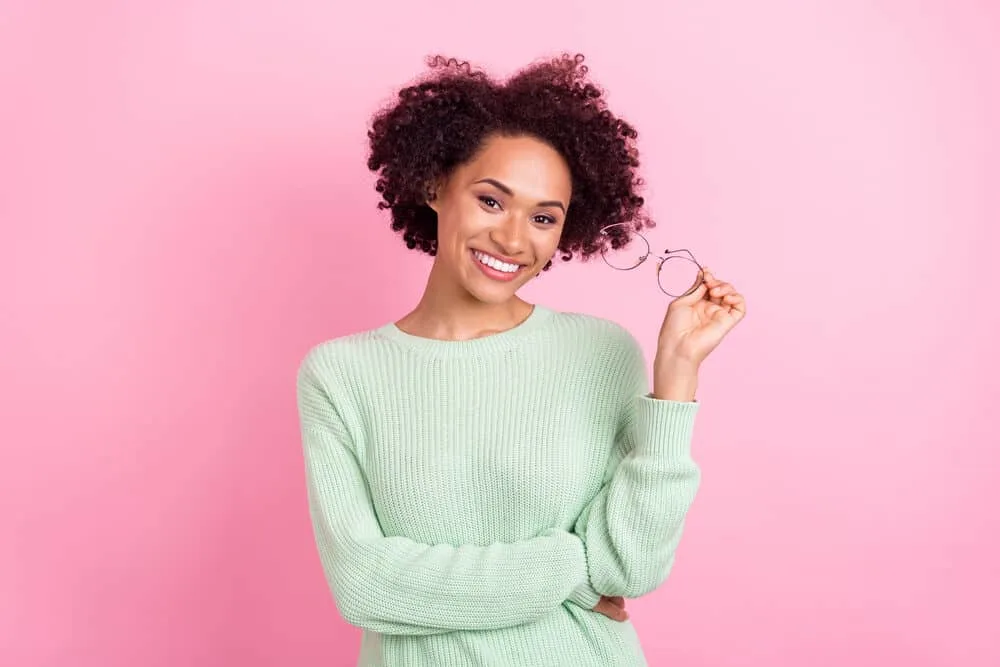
(694, 297)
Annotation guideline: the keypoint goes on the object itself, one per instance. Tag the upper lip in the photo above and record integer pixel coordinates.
(507, 260)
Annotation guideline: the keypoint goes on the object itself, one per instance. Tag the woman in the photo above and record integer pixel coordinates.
(490, 479)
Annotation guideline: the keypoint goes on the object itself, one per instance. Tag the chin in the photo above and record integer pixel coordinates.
(492, 294)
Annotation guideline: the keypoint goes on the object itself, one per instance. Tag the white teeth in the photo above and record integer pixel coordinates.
(495, 263)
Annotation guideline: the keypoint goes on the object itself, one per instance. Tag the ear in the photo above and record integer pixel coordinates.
(432, 190)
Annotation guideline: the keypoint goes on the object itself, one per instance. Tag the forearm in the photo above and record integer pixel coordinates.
(633, 526)
(394, 585)
(397, 586)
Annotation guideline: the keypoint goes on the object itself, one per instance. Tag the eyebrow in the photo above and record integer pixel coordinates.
(510, 193)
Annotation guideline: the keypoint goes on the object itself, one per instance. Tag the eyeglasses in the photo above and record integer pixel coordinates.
(677, 274)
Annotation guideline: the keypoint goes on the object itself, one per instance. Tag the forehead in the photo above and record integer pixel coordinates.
(528, 166)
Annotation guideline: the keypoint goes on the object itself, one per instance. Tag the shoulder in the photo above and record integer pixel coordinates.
(335, 357)
(615, 361)
(598, 333)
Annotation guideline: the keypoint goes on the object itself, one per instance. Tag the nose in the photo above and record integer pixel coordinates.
(511, 236)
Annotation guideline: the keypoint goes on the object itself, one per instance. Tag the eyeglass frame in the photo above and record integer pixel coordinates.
(661, 260)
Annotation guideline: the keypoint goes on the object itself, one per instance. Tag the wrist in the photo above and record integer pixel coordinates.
(675, 379)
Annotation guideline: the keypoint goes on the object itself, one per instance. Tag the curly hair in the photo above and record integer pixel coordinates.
(440, 121)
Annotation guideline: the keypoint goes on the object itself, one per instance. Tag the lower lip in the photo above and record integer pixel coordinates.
(490, 272)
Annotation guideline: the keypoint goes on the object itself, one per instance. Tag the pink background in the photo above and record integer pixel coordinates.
(186, 210)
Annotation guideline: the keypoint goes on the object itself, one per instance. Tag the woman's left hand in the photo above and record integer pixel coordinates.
(695, 324)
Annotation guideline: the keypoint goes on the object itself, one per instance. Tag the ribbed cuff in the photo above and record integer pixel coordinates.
(665, 427)
(584, 594)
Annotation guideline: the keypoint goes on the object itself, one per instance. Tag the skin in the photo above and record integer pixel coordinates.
(511, 201)
(460, 302)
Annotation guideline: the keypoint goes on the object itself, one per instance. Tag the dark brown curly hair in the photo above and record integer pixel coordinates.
(441, 120)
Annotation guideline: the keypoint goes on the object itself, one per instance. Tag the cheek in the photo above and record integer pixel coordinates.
(463, 223)
(548, 245)
(448, 227)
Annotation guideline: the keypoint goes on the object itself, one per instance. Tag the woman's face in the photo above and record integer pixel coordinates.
(500, 216)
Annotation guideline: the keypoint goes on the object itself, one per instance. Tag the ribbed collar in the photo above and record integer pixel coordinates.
(503, 340)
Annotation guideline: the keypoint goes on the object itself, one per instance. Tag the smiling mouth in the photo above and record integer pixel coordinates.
(496, 268)
(494, 263)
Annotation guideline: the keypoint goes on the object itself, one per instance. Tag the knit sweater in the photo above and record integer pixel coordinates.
(472, 500)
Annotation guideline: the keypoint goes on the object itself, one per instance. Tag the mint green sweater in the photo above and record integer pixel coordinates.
(472, 500)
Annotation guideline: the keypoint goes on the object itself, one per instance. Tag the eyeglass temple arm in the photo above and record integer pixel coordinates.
(671, 252)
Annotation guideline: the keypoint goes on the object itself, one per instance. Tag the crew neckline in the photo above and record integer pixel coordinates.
(501, 340)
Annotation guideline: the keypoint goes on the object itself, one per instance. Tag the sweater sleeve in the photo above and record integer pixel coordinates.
(394, 585)
(632, 527)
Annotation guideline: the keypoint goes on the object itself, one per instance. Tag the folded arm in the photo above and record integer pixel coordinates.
(633, 525)
(395, 585)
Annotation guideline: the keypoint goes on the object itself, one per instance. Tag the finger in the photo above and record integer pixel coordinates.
(732, 298)
(724, 318)
(613, 612)
(694, 297)
(709, 277)
(712, 310)
(721, 290)
(617, 601)
(617, 613)
(716, 294)
(717, 289)
(739, 307)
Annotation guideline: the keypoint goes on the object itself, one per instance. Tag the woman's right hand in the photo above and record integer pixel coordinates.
(612, 607)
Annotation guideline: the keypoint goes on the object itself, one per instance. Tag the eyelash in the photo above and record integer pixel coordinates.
(548, 220)
(486, 199)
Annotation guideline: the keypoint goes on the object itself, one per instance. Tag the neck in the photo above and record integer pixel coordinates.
(447, 311)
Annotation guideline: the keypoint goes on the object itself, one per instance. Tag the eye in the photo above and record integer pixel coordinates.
(489, 201)
(545, 219)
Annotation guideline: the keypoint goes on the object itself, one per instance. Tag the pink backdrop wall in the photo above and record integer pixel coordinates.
(186, 209)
